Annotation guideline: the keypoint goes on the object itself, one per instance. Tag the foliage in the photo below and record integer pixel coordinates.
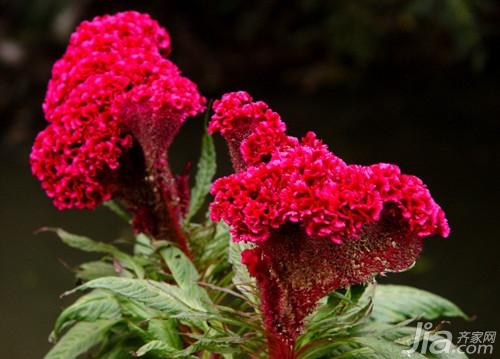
(154, 302)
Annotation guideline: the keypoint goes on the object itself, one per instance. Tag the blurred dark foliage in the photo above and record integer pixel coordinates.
(304, 46)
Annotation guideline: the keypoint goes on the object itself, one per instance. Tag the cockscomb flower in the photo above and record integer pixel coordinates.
(318, 224)
(112, 92)
(118, 41)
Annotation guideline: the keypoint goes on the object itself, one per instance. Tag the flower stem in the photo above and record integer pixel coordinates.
(280, 348)
(166, 187)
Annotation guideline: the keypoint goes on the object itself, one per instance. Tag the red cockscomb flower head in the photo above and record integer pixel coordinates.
(96, 46)
(318, 223)
(112, 86)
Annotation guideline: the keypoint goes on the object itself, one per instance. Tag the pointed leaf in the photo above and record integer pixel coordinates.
(242, 280)
(386, 349)
(182, 269)
(143, 245)
(394, 303)
(80, 339)
(165, 330)
(91, 307)
(204, 175)
(89, 245)
(118, 210)
(169, 299)
(98, 269)
(185, 274)
(163, 350)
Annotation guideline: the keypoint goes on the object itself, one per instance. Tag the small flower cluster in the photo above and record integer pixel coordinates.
(251, 129)
(114, 66)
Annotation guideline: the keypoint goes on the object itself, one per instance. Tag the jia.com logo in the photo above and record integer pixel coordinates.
(435, 342)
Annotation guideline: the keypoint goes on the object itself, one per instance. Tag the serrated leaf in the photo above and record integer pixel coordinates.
(394, 303)
(82, 337)
(204, 175)
(89, 245)
(96, 305)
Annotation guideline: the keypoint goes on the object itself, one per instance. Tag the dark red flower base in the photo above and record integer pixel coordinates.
(294, 271)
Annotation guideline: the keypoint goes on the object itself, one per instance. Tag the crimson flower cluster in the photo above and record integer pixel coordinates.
(318, 223)
(112, 85)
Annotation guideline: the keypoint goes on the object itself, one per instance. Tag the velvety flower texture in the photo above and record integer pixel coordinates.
(318, 223)
(112, 85)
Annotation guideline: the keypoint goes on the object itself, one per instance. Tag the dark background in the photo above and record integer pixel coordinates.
(409, 82)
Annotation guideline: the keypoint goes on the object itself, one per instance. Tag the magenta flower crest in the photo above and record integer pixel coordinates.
(318, 223)
(114, 105)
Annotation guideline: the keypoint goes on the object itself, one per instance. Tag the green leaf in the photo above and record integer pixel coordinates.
(82, 243)
(142, 246)
(204, 175)
(242, 280)
(118, 210)
(337, 313)
(210, 243)
(169, 299)
(217, 343)
(443, 348)
(185, 274)
(165, 330)
(410, 337)
(338, 348)
(97, 269)
(121, 350)
(163, 350)
(451, 352)
(394, 303)
(137, 311)
(358, 348)
(79, 339)
(182, 269)
(386, 349)
(89, 245)
(91, 307)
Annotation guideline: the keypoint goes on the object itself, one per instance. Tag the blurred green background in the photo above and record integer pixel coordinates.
(412, 82)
